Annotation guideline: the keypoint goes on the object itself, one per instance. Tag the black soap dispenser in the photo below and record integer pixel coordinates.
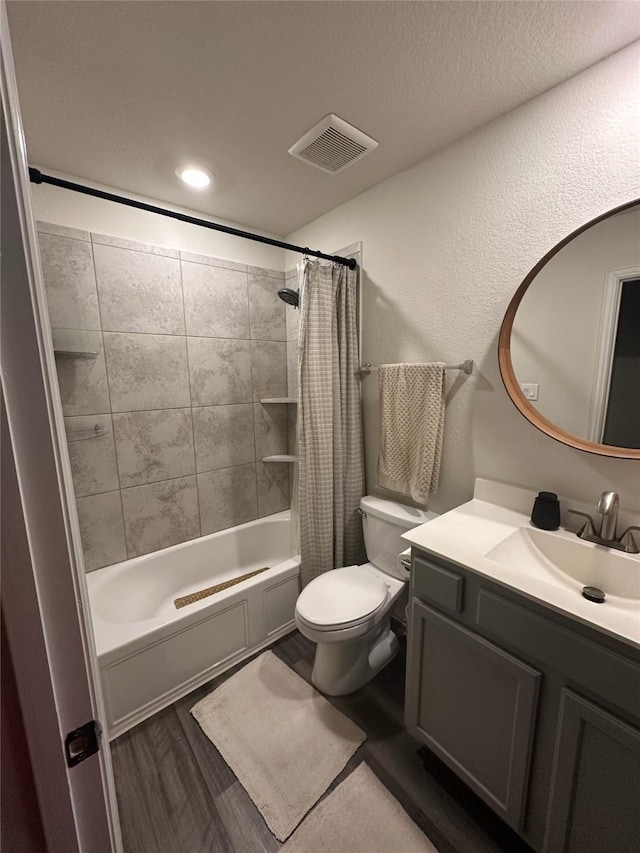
(546, 511)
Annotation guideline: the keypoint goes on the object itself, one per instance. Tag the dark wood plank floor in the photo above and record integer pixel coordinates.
(177, 795)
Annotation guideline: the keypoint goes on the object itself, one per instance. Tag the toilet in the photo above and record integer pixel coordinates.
(347, 611)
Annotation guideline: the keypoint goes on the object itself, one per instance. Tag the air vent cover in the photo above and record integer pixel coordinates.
(333, 145)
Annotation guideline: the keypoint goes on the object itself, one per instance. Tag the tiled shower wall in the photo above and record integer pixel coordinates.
(185, 348)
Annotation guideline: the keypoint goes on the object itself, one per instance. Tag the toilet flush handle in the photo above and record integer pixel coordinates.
(362, 513)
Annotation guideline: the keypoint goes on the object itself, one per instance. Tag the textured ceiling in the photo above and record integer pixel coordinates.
(122, 92)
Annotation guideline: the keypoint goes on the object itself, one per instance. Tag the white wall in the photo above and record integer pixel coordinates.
(446, 244)
(557, 326)
(63, 207)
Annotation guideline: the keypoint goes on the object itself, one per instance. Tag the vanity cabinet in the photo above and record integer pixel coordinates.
(474, 706)
(538, 714)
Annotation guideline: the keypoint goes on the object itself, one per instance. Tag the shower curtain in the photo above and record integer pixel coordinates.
(330, 448)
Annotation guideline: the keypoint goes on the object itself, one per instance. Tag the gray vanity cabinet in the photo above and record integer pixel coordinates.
(538, 714)
(474, 706)
(594, 801)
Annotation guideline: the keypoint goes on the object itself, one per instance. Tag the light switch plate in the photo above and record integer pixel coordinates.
(530, 390)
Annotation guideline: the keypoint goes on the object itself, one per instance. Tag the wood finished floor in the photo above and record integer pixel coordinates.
(177, 795)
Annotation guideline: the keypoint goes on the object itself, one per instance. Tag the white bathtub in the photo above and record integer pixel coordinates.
(151, 653)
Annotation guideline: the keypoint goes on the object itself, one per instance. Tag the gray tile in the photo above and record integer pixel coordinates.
(69, 280)
(292, 320)
(160, 514)
(82, 380)
(266, 309)
(134, 245)
(273, 486)
(292, 369)
(268, 369)
(101, 530)
(93, 460)
(271, 429)
(278, 274)
(227, 497)
(292, 424)
(216, 303)
(146, 372)
(291, 483)
(224, 436)
(212, 262)
(220, 371)
(138, 292)
(62, 231)
(153, 446)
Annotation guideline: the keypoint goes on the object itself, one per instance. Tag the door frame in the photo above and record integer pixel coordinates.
(605, 347)
(44, 593)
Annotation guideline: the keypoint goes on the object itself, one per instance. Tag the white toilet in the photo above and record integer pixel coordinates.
(347, 612)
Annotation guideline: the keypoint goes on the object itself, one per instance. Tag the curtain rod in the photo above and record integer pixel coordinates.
(37, 177)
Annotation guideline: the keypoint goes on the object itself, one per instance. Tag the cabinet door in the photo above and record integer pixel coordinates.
(474, 706)
(594, 801)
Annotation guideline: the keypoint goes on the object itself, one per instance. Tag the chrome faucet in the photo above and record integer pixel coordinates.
(608, 508)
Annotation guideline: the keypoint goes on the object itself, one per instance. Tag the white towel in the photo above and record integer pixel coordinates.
(411, 428)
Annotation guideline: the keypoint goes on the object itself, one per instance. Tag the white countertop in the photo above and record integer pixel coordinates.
(467, 533)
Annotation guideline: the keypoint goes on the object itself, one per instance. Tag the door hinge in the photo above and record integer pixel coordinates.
(83, 742)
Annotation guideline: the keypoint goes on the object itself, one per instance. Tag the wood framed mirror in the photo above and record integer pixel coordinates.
(569, 344)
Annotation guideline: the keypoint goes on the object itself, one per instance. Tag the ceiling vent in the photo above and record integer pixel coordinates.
(333, 145)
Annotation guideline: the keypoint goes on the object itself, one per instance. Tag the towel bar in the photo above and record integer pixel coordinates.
(466, 367)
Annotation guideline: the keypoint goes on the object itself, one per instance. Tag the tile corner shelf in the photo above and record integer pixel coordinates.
(279, 400)
(76, 353)
(282, 457)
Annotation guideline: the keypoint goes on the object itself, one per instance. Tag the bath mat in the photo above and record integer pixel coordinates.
(281, 738)
(211, 590)
(360, 816)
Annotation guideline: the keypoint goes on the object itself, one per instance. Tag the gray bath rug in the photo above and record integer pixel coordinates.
(360, 816)
(281, 738)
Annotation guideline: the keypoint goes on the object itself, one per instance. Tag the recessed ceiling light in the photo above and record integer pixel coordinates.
(194, 176)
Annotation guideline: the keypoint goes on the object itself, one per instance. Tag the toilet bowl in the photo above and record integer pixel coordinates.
(347, 611)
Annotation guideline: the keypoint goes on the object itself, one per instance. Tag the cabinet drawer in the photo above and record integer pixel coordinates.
(438, 585)
(596, 668)
(474, 705)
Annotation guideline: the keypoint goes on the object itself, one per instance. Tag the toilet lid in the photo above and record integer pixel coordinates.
(340, 597)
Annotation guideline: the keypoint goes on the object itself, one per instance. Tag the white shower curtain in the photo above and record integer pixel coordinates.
(330, 448)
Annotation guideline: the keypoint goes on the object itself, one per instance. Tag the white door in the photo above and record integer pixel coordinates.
(43, 588)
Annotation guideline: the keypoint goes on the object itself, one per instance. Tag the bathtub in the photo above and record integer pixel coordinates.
(151, 653)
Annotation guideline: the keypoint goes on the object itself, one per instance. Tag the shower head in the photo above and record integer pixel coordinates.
(291, 297)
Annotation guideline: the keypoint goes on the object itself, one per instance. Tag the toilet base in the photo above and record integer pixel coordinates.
(341, 668)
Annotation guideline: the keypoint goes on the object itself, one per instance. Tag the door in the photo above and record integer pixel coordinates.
(474, 706)
(594, 800)
(42, 584)
(622, 421)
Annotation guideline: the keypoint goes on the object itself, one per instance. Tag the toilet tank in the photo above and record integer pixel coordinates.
(383, 523)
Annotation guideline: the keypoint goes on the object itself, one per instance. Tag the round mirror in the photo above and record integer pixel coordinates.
(569, 346)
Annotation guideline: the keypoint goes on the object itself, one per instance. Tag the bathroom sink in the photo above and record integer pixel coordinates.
(561, 558)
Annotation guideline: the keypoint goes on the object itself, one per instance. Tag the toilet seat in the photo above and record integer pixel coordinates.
(341, 598)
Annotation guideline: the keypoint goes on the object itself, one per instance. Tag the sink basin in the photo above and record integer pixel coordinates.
(564, 559)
